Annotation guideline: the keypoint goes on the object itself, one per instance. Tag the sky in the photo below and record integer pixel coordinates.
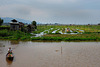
(53, 11)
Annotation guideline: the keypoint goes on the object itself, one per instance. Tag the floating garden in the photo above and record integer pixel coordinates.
(71, 33)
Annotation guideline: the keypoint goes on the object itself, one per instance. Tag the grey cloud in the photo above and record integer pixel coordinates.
(62, 11)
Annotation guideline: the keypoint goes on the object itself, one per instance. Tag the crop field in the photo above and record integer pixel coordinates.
(68, 33)
(79, 29)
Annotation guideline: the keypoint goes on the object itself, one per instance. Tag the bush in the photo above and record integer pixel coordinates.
(4, 33)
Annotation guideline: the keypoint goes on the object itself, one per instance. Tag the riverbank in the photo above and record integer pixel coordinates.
(69, 37)
(58, 37)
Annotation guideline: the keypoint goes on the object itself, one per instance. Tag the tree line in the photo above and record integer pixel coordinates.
(1, 21)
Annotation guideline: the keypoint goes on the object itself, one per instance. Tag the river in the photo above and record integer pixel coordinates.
(51, 54)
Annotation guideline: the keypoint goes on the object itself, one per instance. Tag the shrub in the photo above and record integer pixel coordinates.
(4, 33)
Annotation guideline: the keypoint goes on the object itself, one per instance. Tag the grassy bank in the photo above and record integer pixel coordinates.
(57, 37)
(74, 37)
(14, 35)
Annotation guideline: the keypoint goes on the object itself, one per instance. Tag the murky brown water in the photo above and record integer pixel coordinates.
(51, 54)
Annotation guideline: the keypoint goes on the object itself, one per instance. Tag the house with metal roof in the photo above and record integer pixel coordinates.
(15, 25)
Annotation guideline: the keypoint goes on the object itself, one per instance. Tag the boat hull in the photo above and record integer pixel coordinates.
(10, 57)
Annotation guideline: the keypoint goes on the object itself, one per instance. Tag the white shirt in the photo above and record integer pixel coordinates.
(9, 50)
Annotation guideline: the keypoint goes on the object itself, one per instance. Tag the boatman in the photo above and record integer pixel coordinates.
(9, 51)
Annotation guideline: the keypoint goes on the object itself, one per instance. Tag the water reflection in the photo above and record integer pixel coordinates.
(14, 42)
(8, 61)
(1, 48)
(1, 51)
(1, 45)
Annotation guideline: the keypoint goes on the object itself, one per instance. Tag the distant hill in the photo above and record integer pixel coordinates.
(8, 19)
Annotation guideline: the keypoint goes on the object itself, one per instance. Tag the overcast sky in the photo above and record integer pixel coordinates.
(53, 11)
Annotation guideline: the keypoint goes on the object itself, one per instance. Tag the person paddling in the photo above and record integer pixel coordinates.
(9, 51)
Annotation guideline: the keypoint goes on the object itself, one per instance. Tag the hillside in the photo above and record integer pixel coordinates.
(8, 19)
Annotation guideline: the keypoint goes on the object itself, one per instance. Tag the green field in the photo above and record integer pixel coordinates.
(56, 33)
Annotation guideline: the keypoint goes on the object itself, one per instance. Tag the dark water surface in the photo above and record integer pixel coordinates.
(51, 54)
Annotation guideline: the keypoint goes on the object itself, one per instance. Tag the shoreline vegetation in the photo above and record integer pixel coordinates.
(91, 33)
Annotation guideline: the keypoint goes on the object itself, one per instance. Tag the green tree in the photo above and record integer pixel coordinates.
(1, 21)
(34, 23)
